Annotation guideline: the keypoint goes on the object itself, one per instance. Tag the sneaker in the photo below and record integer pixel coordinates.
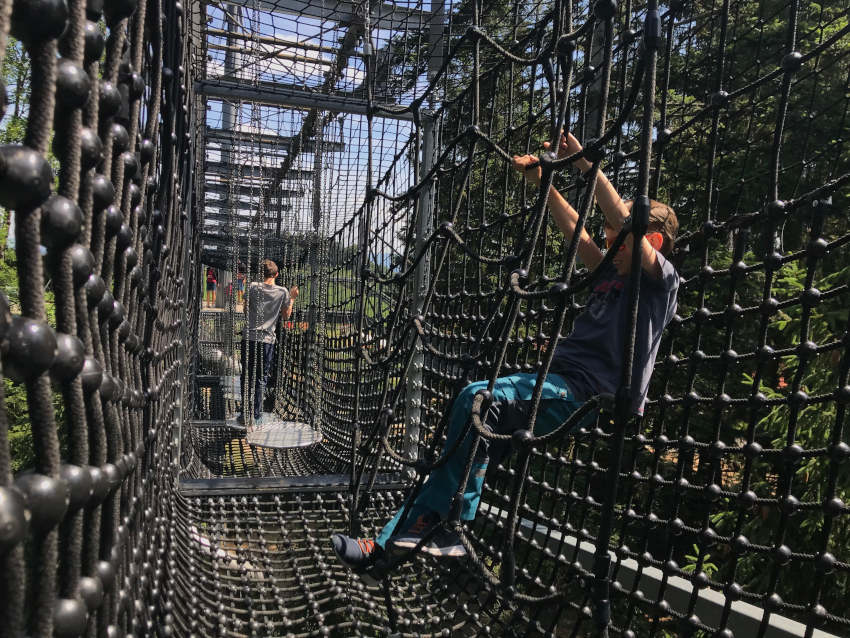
(355, 553)
(419, 528)
(445, 544)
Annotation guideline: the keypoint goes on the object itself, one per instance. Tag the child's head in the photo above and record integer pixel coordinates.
(269, 269)
(660, 233)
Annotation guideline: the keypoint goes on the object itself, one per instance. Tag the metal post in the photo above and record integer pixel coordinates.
(189, 291)
(228, 110)
(312, 309)
(424, 227)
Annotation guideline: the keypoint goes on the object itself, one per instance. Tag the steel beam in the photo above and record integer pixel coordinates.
(267, 39)
(262, 485)
(251, 170)
(241, 191)
(424, 228)
(282, 142)
(247, 216)
(264, 55)
(283, 96)
(384, 15)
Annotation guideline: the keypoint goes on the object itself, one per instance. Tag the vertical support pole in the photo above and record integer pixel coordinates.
(189, 291)
(228, 109)
(316, 243)
(424, 226)
(228, 123)
(594, 91)
(421, 279)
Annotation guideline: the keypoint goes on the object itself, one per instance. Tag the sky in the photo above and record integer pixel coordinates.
(343, 172)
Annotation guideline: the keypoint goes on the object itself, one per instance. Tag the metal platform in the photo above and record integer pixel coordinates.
(276, 433)
(283, 435)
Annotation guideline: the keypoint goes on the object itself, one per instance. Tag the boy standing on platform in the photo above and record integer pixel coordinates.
(266, 302)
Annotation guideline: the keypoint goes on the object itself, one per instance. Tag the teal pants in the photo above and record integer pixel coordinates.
(508, 412)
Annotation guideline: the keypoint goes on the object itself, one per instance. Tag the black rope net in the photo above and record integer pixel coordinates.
(365, 146)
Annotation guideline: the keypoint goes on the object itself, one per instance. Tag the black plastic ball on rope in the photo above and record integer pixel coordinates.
(70, 357)
(91, 148)
(135, 196)
(104, 308)
(91, 375)
(103, 192)
(13, 517)
(522, 439)
(775, 210)
(73, 84)
(99, 485)
(61, 222)
(791, 62)
(116, 10)
(107, 391)
(69, 618)
(123, 331)
(125, 236)
(825, 563)
(782, 555)
(47, 499)
(117, 315)
(91, 591)
(719, 99)
(35, 21)
(136, 85)
(135, 275)
(817, 248)
(120, 137)
(113, 480)
(110, 99)
(25, 177)
(82, 263)
(93, 42)
(114, 218)
(131, 164)
(94, 9)
(32, 349)
(78, 480)
(146, 150)
(95, 289)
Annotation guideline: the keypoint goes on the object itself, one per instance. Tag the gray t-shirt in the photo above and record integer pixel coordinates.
(590, 359)
(264, 303)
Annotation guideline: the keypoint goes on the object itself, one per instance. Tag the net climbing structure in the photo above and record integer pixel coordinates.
(365, 146)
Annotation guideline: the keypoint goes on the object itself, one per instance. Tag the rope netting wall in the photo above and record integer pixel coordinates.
(734, 480)
(97, 194)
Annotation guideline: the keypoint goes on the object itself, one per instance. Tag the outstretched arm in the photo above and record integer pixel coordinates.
(286, 309)
(612, 205)
(565, 216)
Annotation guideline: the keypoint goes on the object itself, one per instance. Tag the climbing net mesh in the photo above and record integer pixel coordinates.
(365, 146)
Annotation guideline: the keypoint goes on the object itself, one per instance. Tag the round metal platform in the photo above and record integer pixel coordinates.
(274, 432)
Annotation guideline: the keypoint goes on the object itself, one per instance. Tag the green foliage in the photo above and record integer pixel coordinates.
(699, 562)
(16, 71)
